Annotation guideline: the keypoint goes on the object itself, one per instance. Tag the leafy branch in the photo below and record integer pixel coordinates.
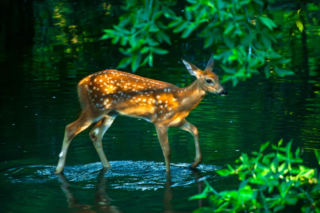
(243, 31)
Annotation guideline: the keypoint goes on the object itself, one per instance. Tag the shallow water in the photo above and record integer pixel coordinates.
(38, 99)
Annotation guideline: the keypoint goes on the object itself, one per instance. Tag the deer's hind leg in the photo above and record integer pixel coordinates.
(96, 136)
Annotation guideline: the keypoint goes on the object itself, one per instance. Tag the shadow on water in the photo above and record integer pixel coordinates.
(124, 175)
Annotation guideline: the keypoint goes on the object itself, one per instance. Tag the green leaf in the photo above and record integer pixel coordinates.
(181, 27)
(228, 70)
(267, 71)
(266, 41)
(204, 193)
(150, 61)
(124, 40)
(135, 61)
(229, 28)
(158, 50)
(145, 61)
(297, 153)
(278, 208)
(188, 14)
(154, 28)
(156, 15)
(166, 38)
(175, 22)
(267, 22)
(234, 81)
(247, 39)
(145, 50)
(152, 42)
(317, 152)
(188, 31)
(162, 36)
(228, 41)
(121, 29)
(105, 36)
(264, 146)
(115, 39)
(223, 172)
(208, 41)
(243, 184)
(288, 147)
(124, 62)
(283, 72)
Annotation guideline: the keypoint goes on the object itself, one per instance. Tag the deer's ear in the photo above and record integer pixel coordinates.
(210, 64)
(193, 69)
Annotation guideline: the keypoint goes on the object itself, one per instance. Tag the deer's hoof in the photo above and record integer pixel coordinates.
(192, 168)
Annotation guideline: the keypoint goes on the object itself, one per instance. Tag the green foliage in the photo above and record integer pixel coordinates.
(269, 183)
(245, 35)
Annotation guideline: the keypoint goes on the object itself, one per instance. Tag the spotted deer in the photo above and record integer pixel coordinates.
(105, 95)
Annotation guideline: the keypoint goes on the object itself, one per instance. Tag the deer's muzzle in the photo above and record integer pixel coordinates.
(223, 93)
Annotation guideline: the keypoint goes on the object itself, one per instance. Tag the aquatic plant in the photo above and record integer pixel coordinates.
(270, 182)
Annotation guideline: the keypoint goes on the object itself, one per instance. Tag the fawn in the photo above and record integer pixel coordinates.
(106, 94)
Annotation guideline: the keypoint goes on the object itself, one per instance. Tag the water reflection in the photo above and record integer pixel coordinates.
(102, 201)
(142, 184)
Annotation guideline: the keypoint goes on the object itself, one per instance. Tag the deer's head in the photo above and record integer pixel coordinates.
(208, 81)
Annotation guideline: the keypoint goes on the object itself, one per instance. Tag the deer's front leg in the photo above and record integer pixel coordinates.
(194, 131)
(162, 132)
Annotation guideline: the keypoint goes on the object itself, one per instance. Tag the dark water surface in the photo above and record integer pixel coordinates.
(54, 44)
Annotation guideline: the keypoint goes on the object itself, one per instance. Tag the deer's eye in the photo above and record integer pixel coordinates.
(209, 81)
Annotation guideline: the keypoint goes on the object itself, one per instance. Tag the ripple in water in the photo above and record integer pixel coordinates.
(128, 175)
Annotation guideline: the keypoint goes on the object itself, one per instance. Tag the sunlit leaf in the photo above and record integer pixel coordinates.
(223, 172)
(299, 23)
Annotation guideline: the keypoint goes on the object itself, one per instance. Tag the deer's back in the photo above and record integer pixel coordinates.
(127, 94)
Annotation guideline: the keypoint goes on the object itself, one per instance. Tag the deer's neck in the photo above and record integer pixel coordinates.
(191, 96)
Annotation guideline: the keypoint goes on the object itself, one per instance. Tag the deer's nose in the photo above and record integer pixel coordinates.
(223, 93)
